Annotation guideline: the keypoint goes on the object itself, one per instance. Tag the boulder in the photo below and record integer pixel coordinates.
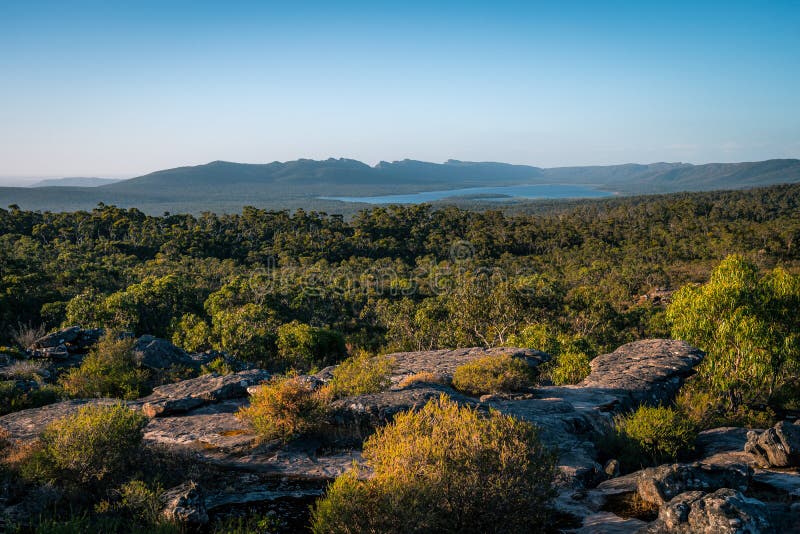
(184, 504)
(721, 512)
(156, 353)
(658, 485)
(778, 446)
(188, 394)
(644, 372)
(444, 362)
(61, 337)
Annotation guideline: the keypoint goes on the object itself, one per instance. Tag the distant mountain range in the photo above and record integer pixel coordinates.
(74, 182)
(225, 187)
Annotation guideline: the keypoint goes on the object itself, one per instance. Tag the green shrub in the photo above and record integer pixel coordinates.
(191, 333)
(493, 374)
(14, 398)
(95, 444)
(108, 370)
(650, 436)
(301, 346)
(361, 374)
(570, 368)
(136, 501)
(218, 365)
(284, 408)
(444, 468)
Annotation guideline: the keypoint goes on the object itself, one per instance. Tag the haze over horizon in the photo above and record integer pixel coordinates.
(94, 90)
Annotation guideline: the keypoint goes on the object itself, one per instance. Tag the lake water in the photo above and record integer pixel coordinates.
(498, 193)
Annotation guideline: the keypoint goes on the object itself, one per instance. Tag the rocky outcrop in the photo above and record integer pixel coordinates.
(188, 394)
(156, 353)
(184, 504)
(63, 343)
(721, 512)
(643, 372)
(778, 446)
(444, 362)
(658, 485)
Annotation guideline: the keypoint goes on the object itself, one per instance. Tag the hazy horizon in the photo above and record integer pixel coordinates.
(92, 89)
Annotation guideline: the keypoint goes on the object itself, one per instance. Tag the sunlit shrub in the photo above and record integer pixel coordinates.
(284, 408)
(650, 436)
(444, 468)
(191, 333)
(570, 368)
(94, 444)
(108, 370)
(302, 346)
(423, 377)
(361, 374)
(493, 374)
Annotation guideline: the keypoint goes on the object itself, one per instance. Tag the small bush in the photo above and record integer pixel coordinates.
(650, 436)
(191, 333)
(109, 370)
(361, 374)
(136, 501)
(570, 368)
(92, 445)
(284, 408)
(25, 334)
(218, 365)
(493, 374)
(424, 377)
(707, 410)
(444, 468)
(301, 346)
(24, 370)
(14, 398)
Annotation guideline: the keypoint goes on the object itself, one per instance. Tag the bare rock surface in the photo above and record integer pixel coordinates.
(778, 446)
(444, 362)
(721, 512)
(156, 353)
(658, 485)
(188, 394)
(185, 504)
(643, 372)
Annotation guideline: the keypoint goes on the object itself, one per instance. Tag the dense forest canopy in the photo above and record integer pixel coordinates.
(398, 277)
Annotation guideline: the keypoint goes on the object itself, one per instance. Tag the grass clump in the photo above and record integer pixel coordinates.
(109, 370)
(650, 436)
(493, 374)
(93, 445)
(423, 377)
(444, 468)
(361, 374)
(285, 408)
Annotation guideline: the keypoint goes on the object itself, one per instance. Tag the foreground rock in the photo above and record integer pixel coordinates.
(723, 511)
(444, 362)
(658, 485)
(195, 392)
(644, 372)
(184, 504)
(778, 446)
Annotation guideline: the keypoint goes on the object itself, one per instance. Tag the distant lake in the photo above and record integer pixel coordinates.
(499, 193)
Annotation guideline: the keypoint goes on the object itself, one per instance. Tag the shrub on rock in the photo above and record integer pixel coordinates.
(444, 468)
(92, 445)
(109, 370)
(493, 374)
(571, 368)
(284, 408)
(361, 374)
(650, 436)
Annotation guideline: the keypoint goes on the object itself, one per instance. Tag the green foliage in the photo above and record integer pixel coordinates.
(301, 346)
(749, 326)
(96, 444)
(247, 332)
(650, 436)
(361, 374)
(109, 370)
(493, 374)
(13, 397)
(191, 333)
(444, 468)
(218, 365)
(252, 524)
(285, 408)
(136, 501)
(570, 368)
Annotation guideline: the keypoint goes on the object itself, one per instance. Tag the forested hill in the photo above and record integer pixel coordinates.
(225, 187)
(396, 277)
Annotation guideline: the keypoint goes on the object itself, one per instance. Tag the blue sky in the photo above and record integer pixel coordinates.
(123, 88)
